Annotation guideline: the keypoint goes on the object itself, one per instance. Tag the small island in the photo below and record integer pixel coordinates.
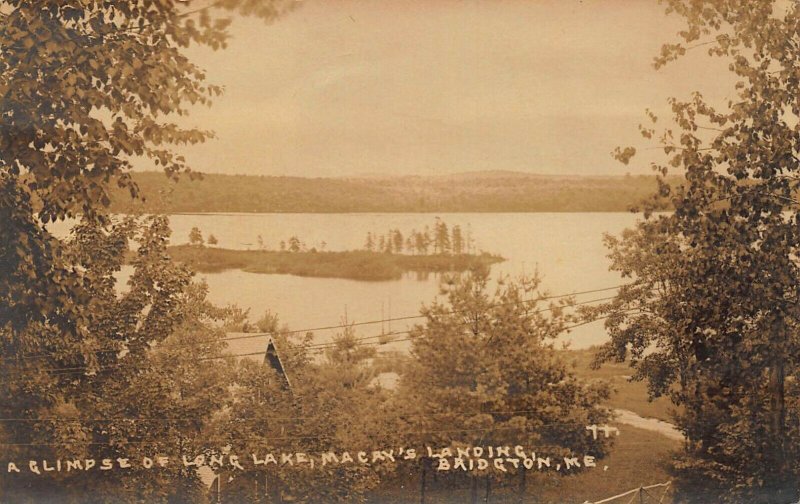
(351, 264)
(438, 248)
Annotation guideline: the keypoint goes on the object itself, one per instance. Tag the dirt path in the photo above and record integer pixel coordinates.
(664, 428)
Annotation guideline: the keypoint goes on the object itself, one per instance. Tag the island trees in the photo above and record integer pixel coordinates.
(196, 237)
(711, 317)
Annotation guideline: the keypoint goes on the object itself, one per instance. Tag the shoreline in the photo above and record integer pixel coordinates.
(351, 264)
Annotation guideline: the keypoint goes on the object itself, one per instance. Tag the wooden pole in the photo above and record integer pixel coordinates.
(422, 481)
(474, 496)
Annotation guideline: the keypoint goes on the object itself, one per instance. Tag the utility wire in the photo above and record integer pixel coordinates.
(317, 348)
(354, 324)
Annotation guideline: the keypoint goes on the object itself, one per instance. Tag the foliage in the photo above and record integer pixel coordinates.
(501, 192)
(137, 388)
(418, 242)
(484, 365)
(196, 237)
(317, 413)
(711, 317)
(86, 87)
(63, 62)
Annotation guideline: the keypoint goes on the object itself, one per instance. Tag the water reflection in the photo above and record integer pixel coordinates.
(565, 248)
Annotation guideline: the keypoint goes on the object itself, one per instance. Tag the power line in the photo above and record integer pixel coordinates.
(354, 324)
(543, 310)
(333, 344)
(317, 348)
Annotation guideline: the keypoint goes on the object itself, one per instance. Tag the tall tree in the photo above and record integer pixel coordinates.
(397, 241)
(457, 240)
(441, 237)
(484, 371)
(86, 87)
(410, 247)
(142, 385)
(196, 237)
(333, 405)
(711, 317)
(421, 242)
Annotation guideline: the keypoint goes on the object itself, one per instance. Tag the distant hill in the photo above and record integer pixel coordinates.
(495, 191)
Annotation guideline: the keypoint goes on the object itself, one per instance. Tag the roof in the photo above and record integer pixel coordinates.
(273, 359)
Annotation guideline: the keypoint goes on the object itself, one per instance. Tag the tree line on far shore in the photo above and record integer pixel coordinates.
(467, 192)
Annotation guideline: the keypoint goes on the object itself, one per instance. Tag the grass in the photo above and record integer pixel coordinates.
(355, 264)
(639, 458)
(629, 395)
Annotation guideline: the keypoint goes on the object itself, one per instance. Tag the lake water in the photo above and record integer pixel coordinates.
(566, 248)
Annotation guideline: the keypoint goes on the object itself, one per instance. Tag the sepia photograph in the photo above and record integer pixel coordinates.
(400, 251)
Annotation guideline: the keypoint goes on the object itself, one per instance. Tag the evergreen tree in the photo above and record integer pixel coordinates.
(422, 241)
(441, 237)
(316, 414)
(397, 241)
(470, 241)
(485, 363)
(457, 240)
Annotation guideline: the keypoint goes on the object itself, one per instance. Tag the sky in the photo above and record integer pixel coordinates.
(398, 87)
